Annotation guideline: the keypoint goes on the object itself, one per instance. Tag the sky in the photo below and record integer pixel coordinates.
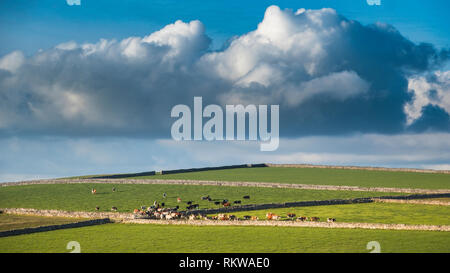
(86, 87)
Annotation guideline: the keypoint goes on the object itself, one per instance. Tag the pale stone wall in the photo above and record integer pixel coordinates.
(291, 224)
(357, 168)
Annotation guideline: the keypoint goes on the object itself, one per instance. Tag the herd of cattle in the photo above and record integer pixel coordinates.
(159, 211)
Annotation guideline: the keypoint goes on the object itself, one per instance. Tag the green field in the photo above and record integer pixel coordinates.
(78, 197)
(10, 222)
(363, 178)
(185, 238)
(385, 213)
(161, 238)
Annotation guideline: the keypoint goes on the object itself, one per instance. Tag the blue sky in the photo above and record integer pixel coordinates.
(32, 25)
(88, 88)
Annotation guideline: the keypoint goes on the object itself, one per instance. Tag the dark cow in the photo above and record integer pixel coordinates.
(237, 202)
(331, 220)
(247, 217)
(302, 219)
(114, 208)
(217, 203)
(246, 197)
(314, 219)
(205, 197)
(189, 202)
(97, 208)
(291, 215)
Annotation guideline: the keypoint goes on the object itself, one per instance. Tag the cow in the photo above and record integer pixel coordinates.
(205, 197)
(97, 208)
(189, 202)
(114, 208)
(246, 197)
(247, 217)
(269, 216)
(192, 217)
(276, 217)
(226, 204)
(237, 202)
(162, 204)
(93, 191)
(314, 219)
(254, 218)
(178, 200)
(291, 215)
(113, 189)
(302, 219)
(232, 217)
(217, 203)
(331, 220)
(222, 217)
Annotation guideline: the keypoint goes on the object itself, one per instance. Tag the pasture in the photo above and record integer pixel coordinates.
(205, 239)
(384, 213)
(316, 176)
(78, 197)
(120, 237)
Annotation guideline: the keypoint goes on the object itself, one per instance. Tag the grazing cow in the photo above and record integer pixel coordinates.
(246, 197)
(227, 204)
(192, 217)
(93, 191)
(232, 217)
(291, 215)
(97, 208)
(114, 208)
(269, 215)
(135, 211)
(225, 201)
(331, 220)
(222, 217)
(217, 203)
(254, 218)
(247, 217)
(314, 219)
(205, 197)
(189, 202)
(143, 207)
(302, 219)
(237, 202)
(276, 217)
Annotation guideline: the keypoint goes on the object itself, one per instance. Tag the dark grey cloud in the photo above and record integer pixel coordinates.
(330, 75)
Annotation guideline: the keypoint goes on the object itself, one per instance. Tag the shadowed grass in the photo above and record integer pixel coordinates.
(10, 222)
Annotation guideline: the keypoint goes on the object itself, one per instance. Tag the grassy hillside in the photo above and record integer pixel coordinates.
(78, 197)
(385, 213)
(147, 238)
(363, 178)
